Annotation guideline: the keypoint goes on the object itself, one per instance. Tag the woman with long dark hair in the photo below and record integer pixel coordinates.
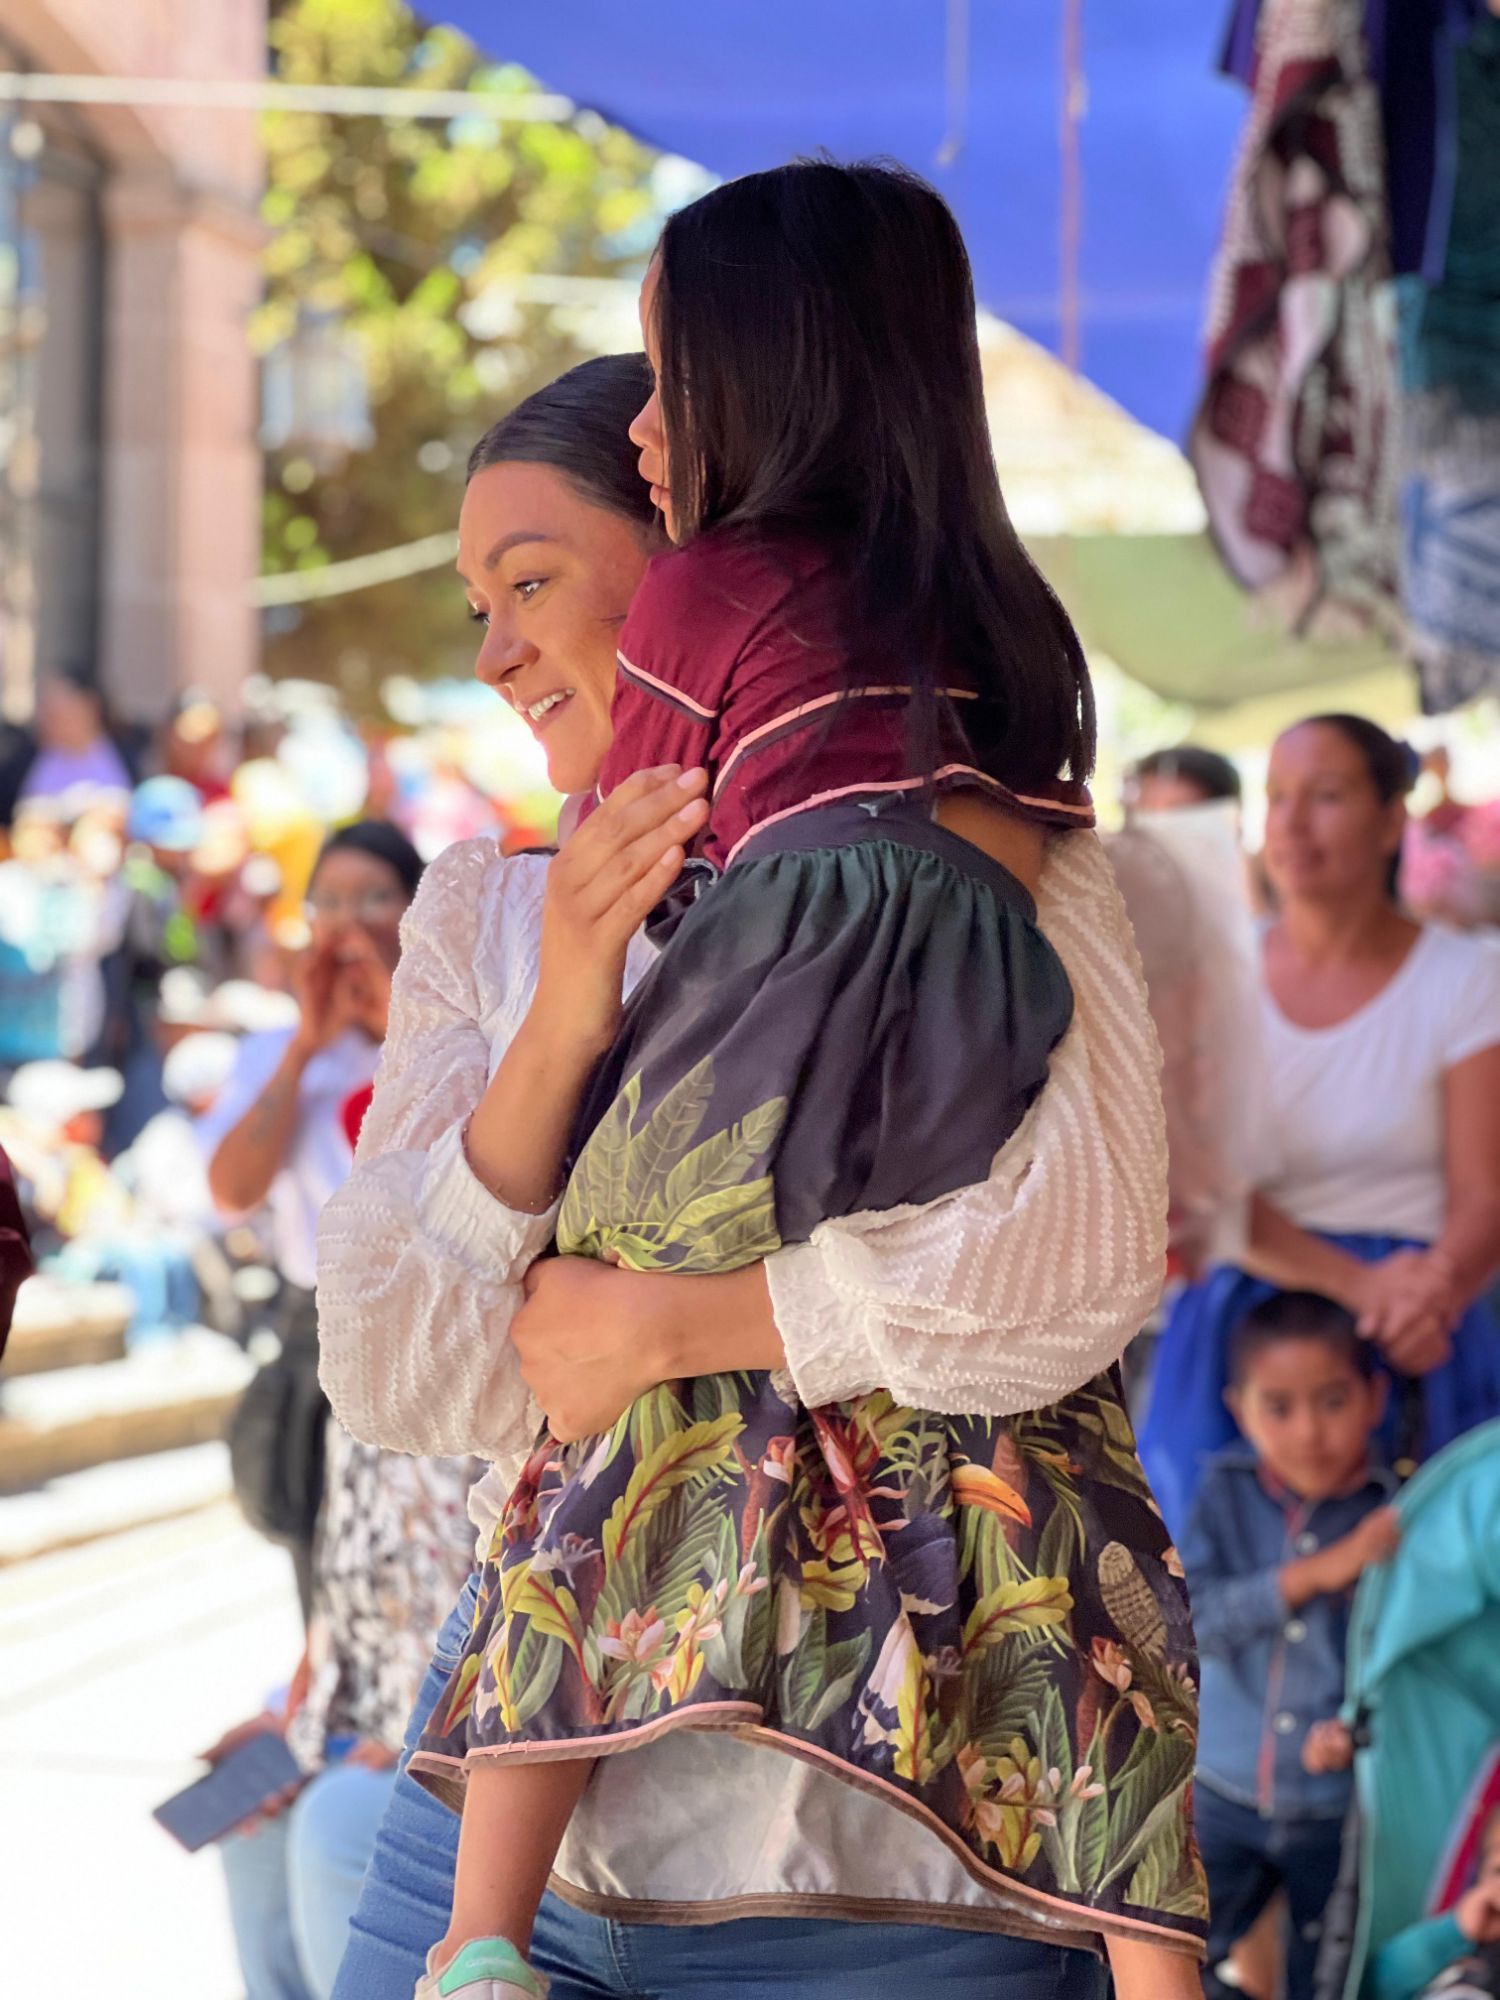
(510, 988)
(1380, 1187)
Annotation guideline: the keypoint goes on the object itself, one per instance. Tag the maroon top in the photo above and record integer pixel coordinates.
(733, 656)
(15, 1250)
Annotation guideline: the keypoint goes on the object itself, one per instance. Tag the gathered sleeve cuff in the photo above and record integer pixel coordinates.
(1010, 1295)
(419, 1265)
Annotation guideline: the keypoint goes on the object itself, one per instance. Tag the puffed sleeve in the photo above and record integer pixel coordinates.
(419, 1266)
(1012, 1293)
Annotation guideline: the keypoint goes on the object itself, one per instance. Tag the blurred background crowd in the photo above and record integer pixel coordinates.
(246, 343)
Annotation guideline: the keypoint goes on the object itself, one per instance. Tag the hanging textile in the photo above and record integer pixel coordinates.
(1293, 442)
(1450, 417)
(1412, 45)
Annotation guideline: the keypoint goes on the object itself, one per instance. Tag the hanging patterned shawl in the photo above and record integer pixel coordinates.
(1450, 428)
(1293, 441)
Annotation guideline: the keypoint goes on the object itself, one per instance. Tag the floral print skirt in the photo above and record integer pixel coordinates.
(978, 1619)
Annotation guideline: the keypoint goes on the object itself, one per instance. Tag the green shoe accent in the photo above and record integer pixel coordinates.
(490, 1958)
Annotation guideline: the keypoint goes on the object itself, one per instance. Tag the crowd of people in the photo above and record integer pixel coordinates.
(827, 1630)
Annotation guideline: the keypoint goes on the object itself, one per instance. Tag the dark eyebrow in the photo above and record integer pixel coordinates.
(508, 542)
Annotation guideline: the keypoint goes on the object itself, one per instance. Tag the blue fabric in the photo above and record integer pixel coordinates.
(1239, 1536)
(1413, 45)
(788, 1958)
(746, 84)
(404, 1906)
(293, 1883)
(260, 1913)
(331, 1835)
(1188, 1421)
(1415, 1957)
(407, 1895)
(1424, 1668)
(154, 1268)
(1247, 1859)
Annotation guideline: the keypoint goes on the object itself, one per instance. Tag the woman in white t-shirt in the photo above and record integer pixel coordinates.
(1379, 1185)
(276, 1142)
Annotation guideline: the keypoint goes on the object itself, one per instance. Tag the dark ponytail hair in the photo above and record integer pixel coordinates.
(1393, 767)
(580, 426)
(819, 371)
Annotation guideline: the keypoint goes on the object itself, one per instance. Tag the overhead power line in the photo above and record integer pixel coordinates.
(262, 94)
(301, 586)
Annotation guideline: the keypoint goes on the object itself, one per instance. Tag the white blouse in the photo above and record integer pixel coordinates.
(1002, 1297)
(1355, 1126)
(318, 1158)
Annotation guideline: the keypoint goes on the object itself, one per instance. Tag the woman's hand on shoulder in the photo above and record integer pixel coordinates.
(607, 878)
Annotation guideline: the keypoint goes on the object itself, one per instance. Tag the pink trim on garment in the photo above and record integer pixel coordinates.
(754, 736)
(666, 688)
(722, 1717)
(981, 778)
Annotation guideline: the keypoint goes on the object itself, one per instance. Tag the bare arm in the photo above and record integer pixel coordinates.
(250, 1156)
(421, 1253)
(252, 1153)
(1470, 1242)
(600, 890)
(960, 1305)
(1286, 1255)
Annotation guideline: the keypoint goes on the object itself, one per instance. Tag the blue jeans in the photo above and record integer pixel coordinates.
(404, 1905)
(1247, 1859)
(293, 1884)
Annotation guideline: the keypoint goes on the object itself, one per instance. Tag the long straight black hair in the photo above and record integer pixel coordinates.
(579, 425)
(818, 363)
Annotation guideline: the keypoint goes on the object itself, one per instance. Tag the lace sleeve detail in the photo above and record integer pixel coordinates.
(419, 1266)
(1008, 1295)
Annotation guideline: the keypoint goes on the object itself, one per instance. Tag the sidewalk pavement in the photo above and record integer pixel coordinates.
(118, 1661)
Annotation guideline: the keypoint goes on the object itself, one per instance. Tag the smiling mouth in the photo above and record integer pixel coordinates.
(537, 713)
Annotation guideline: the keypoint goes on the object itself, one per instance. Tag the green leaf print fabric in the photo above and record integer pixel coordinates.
(980, 1620)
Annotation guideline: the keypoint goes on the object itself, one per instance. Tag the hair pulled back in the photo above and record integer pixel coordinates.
(579, 425)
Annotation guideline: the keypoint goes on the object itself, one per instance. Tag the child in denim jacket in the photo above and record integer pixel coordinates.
(1281, 1531)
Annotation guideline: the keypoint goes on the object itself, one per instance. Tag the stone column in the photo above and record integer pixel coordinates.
(181, 462)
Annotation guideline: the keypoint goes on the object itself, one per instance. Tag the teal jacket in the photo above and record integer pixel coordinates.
(1407, 1966)
(1424, 1668)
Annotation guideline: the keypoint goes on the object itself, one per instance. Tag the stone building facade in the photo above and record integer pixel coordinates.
(129, 533)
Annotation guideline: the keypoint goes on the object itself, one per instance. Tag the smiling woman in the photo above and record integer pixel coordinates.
(554, 529)
(440, 1315)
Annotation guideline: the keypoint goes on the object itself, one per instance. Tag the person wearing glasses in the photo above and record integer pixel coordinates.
(277, 1144)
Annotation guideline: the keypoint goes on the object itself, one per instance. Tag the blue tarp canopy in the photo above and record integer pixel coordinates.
(742, 84)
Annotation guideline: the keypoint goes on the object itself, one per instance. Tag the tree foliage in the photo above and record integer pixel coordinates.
(405, 234)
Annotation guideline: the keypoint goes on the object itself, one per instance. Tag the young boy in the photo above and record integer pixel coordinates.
(1462, 1944)
(1281, 1532)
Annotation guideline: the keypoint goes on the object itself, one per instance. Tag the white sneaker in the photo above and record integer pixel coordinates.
(485, 1969)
